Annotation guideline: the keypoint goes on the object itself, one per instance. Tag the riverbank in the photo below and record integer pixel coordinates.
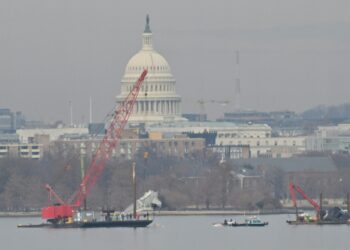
(222, 212)
(20, 214)
(173, 213)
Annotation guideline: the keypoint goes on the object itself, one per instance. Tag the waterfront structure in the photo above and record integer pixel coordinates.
(157, 101)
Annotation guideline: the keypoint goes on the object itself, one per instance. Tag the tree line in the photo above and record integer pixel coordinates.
(197, 181)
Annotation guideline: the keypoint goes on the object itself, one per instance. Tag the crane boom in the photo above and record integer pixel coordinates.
(108, 143)
(293, 188)
(54, 194)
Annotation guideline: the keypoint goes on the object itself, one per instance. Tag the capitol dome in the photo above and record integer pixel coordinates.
(150, 59)
(157, 100)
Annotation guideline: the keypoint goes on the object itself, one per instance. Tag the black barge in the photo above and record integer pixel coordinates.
(91, 224)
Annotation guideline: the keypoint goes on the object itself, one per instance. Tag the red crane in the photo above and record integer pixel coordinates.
(295, 188)
(109, 142)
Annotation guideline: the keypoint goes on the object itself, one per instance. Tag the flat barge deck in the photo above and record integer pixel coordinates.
(293, 222)
(91, 224)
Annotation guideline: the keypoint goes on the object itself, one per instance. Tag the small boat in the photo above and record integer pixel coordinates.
(250, 222)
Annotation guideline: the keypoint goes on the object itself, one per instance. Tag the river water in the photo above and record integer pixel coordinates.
(177, 232)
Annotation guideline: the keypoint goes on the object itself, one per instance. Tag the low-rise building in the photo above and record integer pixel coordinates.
(28, 135)
(174, 146)
(29, 151)
(334, 139)
(231, 151)
(249, 182)
(257, 137)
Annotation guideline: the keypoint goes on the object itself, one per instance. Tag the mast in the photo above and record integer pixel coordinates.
(319, 213)
(348, 202)
(90, 110)
(134, 185)
(82, 168)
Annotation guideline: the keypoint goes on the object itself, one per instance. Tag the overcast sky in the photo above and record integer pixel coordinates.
(293, 54)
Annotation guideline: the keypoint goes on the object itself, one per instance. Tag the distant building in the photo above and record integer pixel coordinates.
(7, 121)
(269, 147)
(210, 137)
(28, 151)
(247, 117)
(249, 182)
(28, 135)
(175, 146)
(257, 137)
(231, 151)
(96, 128)
(242, 130)
(195, 117)
(334, 139)
(9, 138)
(274, 118)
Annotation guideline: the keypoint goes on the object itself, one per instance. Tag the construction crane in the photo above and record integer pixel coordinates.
(64, 210)
(295, 188)
(203, 102)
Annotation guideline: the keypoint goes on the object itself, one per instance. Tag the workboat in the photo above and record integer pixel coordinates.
(250, 222)
(88, 220)
(323, 216)
(332, 216)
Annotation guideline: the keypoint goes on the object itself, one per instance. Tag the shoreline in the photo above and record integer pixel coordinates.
(223, 212)
(174, 212)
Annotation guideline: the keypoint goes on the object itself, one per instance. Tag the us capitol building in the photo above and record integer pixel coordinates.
(158, 107)
(157, 101)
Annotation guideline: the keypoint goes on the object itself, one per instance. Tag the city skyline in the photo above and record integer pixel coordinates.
(292, 56)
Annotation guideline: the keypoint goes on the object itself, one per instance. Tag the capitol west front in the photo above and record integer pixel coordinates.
(157, 101)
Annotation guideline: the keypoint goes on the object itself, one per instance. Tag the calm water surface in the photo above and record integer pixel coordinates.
(186, 232)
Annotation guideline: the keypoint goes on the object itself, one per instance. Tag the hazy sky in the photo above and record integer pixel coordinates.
(293, 54)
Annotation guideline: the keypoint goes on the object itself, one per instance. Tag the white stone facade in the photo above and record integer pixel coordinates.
(26, 135)
(261, 143)
(157, 100)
